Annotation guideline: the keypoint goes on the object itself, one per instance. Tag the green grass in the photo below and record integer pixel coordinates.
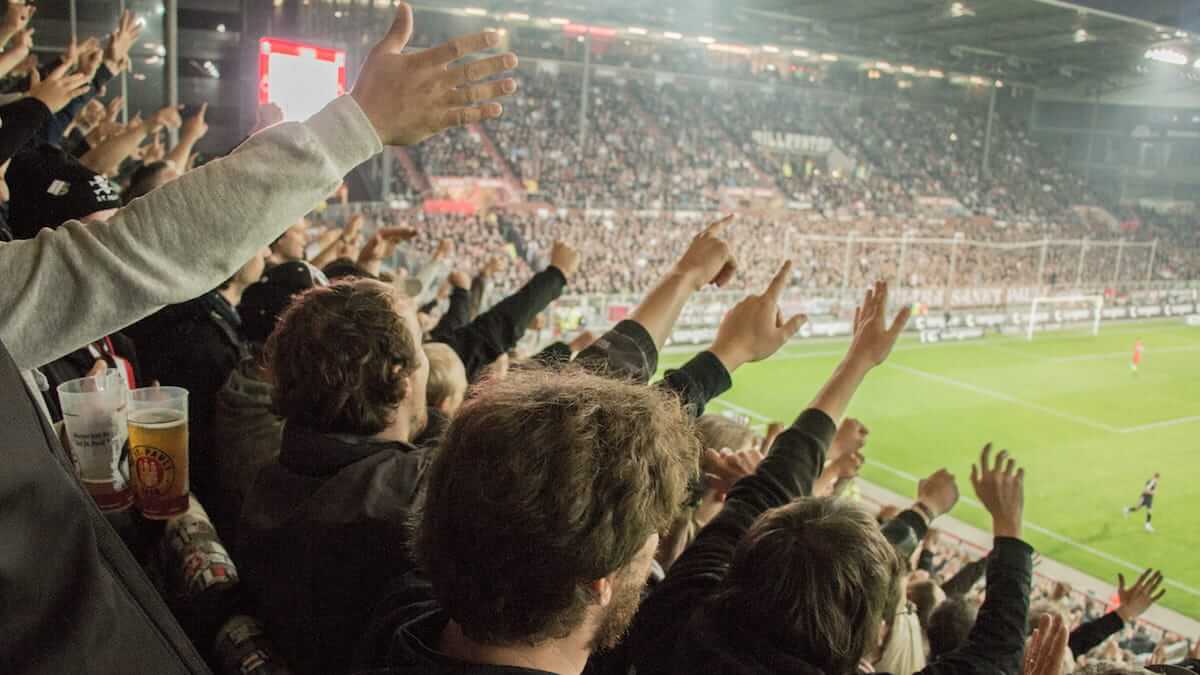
(1068, 422)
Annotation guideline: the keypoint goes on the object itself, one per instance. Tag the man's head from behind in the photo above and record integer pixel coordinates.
(717, 432)
(447, 378)
(819, 577)
(291, 244)
(950, 624)
(544, 504)
(346, 358)
(148, 177)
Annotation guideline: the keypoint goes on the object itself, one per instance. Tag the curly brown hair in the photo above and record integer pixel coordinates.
(339, 358)
(543, 483)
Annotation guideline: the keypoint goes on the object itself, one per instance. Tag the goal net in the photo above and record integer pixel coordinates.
(1065, 309)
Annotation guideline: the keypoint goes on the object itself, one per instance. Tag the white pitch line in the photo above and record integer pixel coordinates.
(1000, 396)
(1062, 539)
(1160, 425)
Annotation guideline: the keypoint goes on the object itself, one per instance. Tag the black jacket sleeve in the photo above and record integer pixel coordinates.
(966, 578)
(905, 532)
(997, 642)
(500, 328)
(698, 381)
(1091, 634)
(20, 122)
(788, 472)
(457, 315)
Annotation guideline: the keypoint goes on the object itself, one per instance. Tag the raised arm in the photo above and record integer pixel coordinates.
(190, 235)
(192, 130)
(1133, 602)
(707, 260)
(500, 328)
(997, 640)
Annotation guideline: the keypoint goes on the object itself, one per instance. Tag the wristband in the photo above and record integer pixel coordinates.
(925, 511)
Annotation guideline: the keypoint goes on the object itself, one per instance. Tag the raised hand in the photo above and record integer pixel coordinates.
(755, 329)
(582, 341)
(843, 468)
(17, 17)
(397, 233)
(708, 259)
(166, 118)
(1000, 487)
(565, 258)
(444, 250)
(938, 492)
(116, 53)
(1134, 601)
(851, 437)
(90, 57)
(410, 97)
(58, 89)
(873, 339)
(195, 127)
(1048, 646)
(459, 280)
(724, 469)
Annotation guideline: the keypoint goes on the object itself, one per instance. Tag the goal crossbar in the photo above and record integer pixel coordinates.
(1096, 301)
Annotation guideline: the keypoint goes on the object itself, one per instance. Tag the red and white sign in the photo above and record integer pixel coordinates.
(300, 78)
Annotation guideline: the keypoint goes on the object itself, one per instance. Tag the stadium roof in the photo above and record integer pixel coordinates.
(1044, 43)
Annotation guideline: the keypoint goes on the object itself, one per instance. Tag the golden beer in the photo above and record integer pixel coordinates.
(158, 460)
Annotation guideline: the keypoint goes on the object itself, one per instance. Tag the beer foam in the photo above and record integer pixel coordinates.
(157, 418)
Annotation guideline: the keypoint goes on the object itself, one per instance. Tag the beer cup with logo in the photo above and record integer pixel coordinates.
(158, 450)
(94, 410)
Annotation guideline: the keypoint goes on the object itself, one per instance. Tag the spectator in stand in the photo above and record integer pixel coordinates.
(486, 604)
(83, 577)
(350, 380)
(445, 393)
(246, 430)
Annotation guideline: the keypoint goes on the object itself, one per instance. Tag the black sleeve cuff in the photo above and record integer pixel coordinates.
(1013, 552)
(562, 278)
(102, 77)
(817, 424)
(707, 374)
(626, 351)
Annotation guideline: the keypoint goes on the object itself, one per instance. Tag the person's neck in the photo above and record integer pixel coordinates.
(400, 430)
(232, 293)
(565, 656)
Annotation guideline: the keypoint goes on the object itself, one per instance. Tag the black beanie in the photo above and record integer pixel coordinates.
(48, 187)
(264, 301)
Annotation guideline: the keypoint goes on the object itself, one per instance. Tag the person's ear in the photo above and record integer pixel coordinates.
(602, 591)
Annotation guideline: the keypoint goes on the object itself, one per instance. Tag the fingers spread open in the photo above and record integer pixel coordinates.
(480, 92)
(461, 117)
(459, 47)
(481, 69)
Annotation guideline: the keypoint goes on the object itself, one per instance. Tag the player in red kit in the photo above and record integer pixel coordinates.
(1138, 347)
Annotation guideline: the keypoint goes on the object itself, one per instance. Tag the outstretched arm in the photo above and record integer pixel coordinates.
(189, 235)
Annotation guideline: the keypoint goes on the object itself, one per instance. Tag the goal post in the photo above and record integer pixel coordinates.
(1093, 303)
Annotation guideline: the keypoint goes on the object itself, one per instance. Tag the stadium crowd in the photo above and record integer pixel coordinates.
(388, 476)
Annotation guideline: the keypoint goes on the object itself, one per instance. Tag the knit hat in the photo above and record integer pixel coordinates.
(49, 187)
(264, 301)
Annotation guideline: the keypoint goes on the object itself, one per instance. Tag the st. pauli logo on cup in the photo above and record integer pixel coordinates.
(158, 456)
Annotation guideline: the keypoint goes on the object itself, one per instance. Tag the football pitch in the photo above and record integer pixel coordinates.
(1088, 431)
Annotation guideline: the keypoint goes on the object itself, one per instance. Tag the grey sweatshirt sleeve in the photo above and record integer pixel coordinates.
(72, 285)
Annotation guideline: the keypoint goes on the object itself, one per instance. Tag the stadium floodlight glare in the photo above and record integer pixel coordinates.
(771, 49)
(729, 49)
(884, 66)
(999, 83)
(1165, 55)
(907, 69)
(475, 11)
(1181, 33)
(517, 16)
(958, 9)
(559, 21)
(934, 72)
(637, 30)
(975, 79)
(672, 35)
(802, 53)
(706, 40)
(829, 57)
(1081, 35)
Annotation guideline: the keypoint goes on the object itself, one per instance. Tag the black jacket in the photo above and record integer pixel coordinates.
(20, 122)
(75, 600)
(322, 532)
(1092, 634)
(498, 330)
(407, 620)
(674, 634)
(194, 345)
